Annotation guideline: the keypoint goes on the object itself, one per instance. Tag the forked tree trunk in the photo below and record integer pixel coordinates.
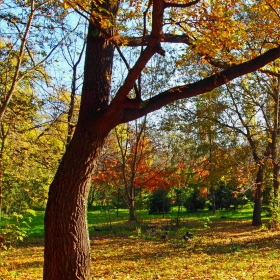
(67, 248)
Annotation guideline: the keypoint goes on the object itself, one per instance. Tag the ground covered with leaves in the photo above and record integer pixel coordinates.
(141, 253)
(210, 254)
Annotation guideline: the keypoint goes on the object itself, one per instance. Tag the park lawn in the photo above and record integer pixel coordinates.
(128, 251)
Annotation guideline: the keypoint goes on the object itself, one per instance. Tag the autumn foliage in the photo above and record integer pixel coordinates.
(140, 162)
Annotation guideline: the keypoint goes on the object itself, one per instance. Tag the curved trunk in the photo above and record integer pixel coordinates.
(67, 250)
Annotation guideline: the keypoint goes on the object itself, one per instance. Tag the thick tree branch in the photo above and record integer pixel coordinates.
(153, 47)
(172, 38)
(165, 38)
(175, 5)
(199, 87)
(185, 39)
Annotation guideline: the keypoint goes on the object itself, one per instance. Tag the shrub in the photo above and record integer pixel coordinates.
(159, 202)
(195, 201)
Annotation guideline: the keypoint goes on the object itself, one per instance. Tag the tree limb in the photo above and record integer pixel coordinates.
(199, 87)
(173, 38)
(175, 5)
(272, 73)
(153, 46)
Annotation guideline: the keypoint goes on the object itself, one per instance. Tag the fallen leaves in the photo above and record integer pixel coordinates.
(207, 256)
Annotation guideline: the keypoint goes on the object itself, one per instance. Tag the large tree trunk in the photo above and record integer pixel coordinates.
(67, 250)
(258, 196)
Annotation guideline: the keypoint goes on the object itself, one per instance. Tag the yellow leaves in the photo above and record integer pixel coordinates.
(221, 27)
(80, 5)
(66, 5)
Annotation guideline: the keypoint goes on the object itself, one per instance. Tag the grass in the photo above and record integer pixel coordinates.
(129, 251)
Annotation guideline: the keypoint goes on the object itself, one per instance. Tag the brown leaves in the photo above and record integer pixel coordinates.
(208, 256)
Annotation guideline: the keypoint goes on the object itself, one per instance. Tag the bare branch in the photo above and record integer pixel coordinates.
(18, 66)
(272, 73)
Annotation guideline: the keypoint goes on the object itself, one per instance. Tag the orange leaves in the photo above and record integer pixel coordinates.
(201, 173)
(136, 161)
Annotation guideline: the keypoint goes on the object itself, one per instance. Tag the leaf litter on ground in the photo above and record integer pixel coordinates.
(208, 255)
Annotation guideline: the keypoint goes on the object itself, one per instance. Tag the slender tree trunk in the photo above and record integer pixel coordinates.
(163, 204)
(132, 217)
(3, 141)
(276, 170)
(70, 115)
(131, 206)
(258, 196)
(67, 250)
(178, 215)
(213, 198)
(118, 202)
(212, 189)
(274, 150)
(1, 185)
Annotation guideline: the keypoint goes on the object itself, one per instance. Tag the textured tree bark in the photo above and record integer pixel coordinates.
(275, 134)
(67, 250)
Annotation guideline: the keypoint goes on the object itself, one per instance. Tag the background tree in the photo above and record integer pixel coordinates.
(253, 113)
(29, 38)
(139, 164)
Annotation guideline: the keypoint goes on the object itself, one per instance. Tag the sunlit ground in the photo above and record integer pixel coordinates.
(139, 255)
